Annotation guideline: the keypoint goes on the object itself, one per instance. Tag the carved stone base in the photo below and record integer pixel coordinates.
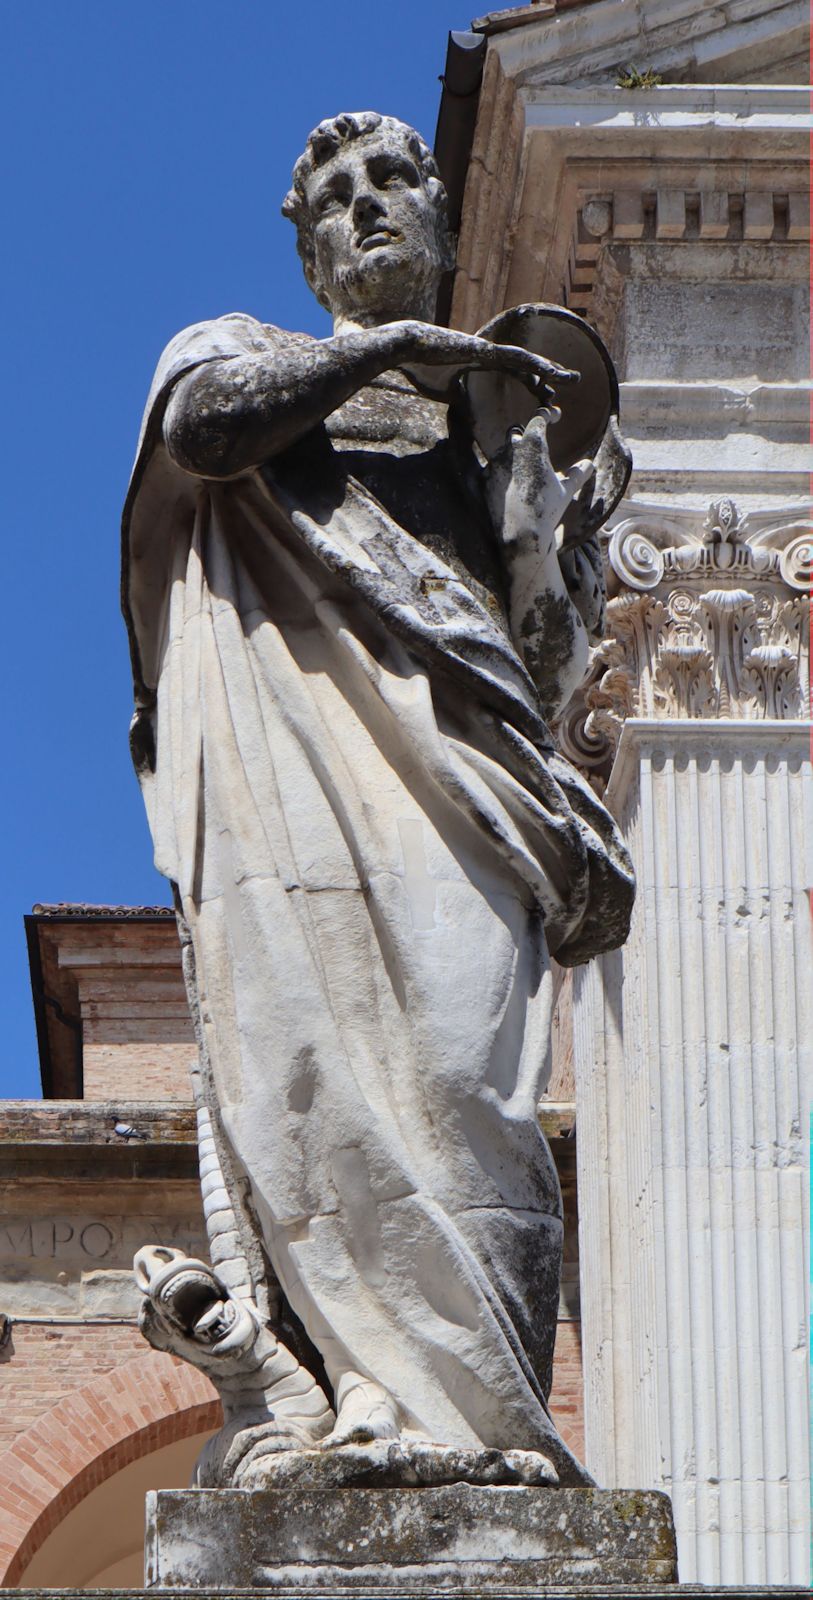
(388, 1464)
(458, 1537)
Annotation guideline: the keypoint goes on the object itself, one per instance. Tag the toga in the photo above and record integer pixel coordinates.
(376, 848)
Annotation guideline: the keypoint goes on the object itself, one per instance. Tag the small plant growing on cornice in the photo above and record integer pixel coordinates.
(631, 78)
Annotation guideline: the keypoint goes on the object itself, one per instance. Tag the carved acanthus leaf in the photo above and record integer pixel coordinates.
(706, 619)
(683, 681)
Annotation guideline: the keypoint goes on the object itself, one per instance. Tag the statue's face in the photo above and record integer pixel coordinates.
(375, 231)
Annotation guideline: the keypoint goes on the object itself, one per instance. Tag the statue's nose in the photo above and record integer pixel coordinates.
(366, 207)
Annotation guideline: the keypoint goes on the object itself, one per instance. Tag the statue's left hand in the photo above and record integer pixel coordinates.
(527, 497)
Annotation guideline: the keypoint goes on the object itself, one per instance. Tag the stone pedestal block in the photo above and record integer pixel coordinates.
(458, 1537)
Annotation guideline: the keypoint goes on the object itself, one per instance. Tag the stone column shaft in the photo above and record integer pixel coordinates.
(693, 1069)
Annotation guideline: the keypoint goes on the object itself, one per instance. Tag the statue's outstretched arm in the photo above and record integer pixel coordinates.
(527, 499)
(228, 416)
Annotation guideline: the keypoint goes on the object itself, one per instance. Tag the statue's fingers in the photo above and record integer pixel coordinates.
(541, 391)
(575, 479)
(549, 413)
(550, 371)
(525, 363)
(558, 374)
(541, 420)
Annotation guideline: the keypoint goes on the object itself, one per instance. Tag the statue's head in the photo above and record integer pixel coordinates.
(371, 218)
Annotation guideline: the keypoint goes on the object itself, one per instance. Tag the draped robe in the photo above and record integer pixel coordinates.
(376, 848)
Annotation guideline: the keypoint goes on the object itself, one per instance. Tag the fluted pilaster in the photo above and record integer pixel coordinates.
(693, 1066)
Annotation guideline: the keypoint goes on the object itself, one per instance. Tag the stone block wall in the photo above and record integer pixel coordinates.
(109, 998)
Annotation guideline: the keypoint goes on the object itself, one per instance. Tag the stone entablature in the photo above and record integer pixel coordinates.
(78, 1198)
(676, 220)
(711, 204)
(566, 174)
(590, 41)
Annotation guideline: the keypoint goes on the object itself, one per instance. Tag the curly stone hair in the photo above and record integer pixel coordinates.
(323, 144)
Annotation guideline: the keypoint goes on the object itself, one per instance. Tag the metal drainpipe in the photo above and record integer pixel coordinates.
(457, 119)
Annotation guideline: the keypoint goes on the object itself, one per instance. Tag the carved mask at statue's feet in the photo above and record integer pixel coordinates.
(364, 1412)
(375, 234)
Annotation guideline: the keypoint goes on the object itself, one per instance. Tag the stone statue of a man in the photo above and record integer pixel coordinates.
(346, 635)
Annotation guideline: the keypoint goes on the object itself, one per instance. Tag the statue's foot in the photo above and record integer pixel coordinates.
(387, 1464)
(234, 1458)
(364, 1412)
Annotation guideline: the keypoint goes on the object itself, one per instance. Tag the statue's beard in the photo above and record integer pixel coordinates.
(385, 285)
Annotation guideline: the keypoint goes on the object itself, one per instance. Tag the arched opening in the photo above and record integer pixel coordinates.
(72, 1487)
(100, 1543)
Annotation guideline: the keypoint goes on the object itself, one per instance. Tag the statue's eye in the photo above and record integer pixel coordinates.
(330, 200)
(393, 174)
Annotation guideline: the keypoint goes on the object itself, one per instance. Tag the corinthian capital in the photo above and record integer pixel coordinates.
(708, 617)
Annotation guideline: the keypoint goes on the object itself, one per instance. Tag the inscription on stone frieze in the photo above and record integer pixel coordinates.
(111, 1241)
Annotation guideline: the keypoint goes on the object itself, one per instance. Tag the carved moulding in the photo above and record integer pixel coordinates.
(708, 617)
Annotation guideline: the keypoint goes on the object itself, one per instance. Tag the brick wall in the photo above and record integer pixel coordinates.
(44, 1364)
(138, 1406)
(155, 1071)
(567, 1394)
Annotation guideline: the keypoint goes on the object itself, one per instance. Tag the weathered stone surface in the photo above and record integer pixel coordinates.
(385, 847)
(556, 1591)
(709, 1085)
(452, 1538)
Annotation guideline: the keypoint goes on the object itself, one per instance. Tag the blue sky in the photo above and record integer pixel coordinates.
(146, 146)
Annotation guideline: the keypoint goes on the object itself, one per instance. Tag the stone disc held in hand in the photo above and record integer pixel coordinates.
(588, 424)
(498, 402)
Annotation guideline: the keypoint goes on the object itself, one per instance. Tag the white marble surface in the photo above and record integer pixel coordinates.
(346, 637)
(693, 1064)
(677, 218)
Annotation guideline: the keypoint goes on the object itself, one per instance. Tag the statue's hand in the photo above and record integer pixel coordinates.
(526, 496)
(527, 499)
(421, 344)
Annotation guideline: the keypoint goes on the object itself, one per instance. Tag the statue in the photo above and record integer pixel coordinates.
(348, 628)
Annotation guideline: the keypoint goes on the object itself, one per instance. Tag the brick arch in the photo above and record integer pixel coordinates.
(146, 1403)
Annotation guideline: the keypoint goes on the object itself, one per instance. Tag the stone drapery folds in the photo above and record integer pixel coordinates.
(375, 848)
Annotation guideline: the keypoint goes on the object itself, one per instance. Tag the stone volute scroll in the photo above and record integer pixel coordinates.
(708, 616)
(359, 580)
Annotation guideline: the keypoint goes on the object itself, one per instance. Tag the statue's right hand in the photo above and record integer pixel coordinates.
(421, 344)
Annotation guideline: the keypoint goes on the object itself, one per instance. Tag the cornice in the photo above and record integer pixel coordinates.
(563, 175)
(676, 39)
(726, 105)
